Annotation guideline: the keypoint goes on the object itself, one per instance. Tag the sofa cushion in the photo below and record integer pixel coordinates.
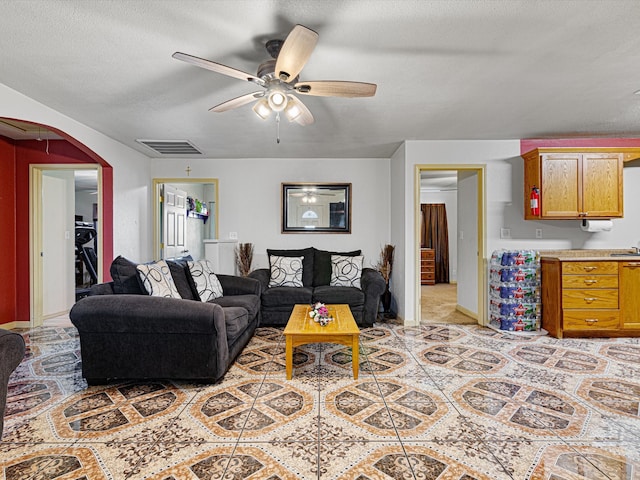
(285, 271)
(125, 277)
(157, 280)
(346, 271)
(345, 295)
(181, 279)
(236, 320)
(307, 262)
(286, 296)
(207, 284)
(322, 265)
(251, 303)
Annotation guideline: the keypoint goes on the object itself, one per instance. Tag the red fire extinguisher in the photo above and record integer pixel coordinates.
(535, 201)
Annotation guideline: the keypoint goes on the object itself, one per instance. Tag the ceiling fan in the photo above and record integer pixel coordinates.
(280, 79)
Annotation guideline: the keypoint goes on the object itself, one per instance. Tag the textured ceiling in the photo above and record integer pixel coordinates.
(445, 70)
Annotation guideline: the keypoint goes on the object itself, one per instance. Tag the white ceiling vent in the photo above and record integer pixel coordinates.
(171, 147)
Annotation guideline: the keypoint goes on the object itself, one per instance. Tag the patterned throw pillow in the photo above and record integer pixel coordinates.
(285, 271)
(346, 271)
(207, 284)
(157, 280)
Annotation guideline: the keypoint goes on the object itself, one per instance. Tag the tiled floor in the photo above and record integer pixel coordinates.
(437, 401)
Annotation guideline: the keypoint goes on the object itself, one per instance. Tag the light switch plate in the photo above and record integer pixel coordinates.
(505, 233)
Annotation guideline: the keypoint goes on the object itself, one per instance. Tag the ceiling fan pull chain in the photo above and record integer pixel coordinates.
(277, 127)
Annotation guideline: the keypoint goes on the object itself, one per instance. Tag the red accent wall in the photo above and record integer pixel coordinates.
(7, 230)
(15, 159)
(528, 144)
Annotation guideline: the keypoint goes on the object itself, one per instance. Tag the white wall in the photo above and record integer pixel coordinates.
(131, 180)
(450, 200)
(84, 205)
(399, 207)
(504, 199)
(250, 200)
(467, 241)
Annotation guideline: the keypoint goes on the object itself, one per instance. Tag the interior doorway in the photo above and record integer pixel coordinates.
(459, 189)
(52, 237)
(201, 222)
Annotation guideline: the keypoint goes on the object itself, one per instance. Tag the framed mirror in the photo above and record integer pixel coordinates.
(316, 208)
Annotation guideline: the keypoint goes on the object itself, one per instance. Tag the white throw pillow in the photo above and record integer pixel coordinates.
(207, 284)
(285, 271)
(157, 280)
(346, 271)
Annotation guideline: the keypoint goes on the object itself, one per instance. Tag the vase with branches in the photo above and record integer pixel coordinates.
(385, 267)
(244, 258)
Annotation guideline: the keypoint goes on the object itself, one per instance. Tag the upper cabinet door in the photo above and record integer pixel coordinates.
(602, 185)
(561, 186)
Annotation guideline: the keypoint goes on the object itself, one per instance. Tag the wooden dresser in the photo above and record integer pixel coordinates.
(427, 266)
(591, 297)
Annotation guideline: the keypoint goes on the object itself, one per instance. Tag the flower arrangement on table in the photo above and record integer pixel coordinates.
(320, 314)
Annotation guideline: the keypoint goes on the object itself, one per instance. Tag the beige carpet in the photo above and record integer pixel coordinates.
(438, 305)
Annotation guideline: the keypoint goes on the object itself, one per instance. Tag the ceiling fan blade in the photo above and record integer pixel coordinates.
(218, 68)
(331, 88)
(305, 117)
(295, 52)
(236, 102)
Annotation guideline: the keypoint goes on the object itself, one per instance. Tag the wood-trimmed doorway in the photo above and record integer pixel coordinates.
(473, 276)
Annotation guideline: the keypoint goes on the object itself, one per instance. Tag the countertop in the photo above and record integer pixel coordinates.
(588, 255)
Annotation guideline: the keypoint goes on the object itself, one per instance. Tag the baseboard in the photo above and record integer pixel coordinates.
(16, 325)
(466, 312)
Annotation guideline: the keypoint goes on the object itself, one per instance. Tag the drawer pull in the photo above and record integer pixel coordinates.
(590, 299)
(633, 264)
(589, 268)
(590, 281)
(591, 321)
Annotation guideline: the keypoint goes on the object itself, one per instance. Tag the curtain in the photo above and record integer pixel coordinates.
(435, 234)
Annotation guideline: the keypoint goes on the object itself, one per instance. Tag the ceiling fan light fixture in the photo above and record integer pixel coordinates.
(292, 110)
(277, 100)
(262, 109)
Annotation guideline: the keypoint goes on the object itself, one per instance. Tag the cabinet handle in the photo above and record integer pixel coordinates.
(590, 299)
(591, 320)
(633, 264)
(590, 282)
(589, 268)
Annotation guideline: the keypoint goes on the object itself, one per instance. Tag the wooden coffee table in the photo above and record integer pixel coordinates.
(301, 329)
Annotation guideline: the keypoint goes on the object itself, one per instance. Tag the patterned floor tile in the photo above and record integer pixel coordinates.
(583, 463)
(64, 461)
(614, 395)
(105, 413)
(529, 408)
(232, 463)
(434, 401)
(413, 461)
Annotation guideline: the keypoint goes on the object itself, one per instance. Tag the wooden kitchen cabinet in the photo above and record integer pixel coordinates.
(574, 185)
(427, 266)
(592, 298)
(630, 294)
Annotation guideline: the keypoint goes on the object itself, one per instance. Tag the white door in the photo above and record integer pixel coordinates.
(57, 248)
(174, 219)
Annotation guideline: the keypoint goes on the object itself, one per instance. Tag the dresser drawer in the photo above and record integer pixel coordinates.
(588, 298)
(427, 254)
(591, 268)
(591, 320)
(590, 281)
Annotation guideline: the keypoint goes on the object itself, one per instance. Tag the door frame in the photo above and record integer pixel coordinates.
(155, 194)
(36, 232)
(480, 170)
